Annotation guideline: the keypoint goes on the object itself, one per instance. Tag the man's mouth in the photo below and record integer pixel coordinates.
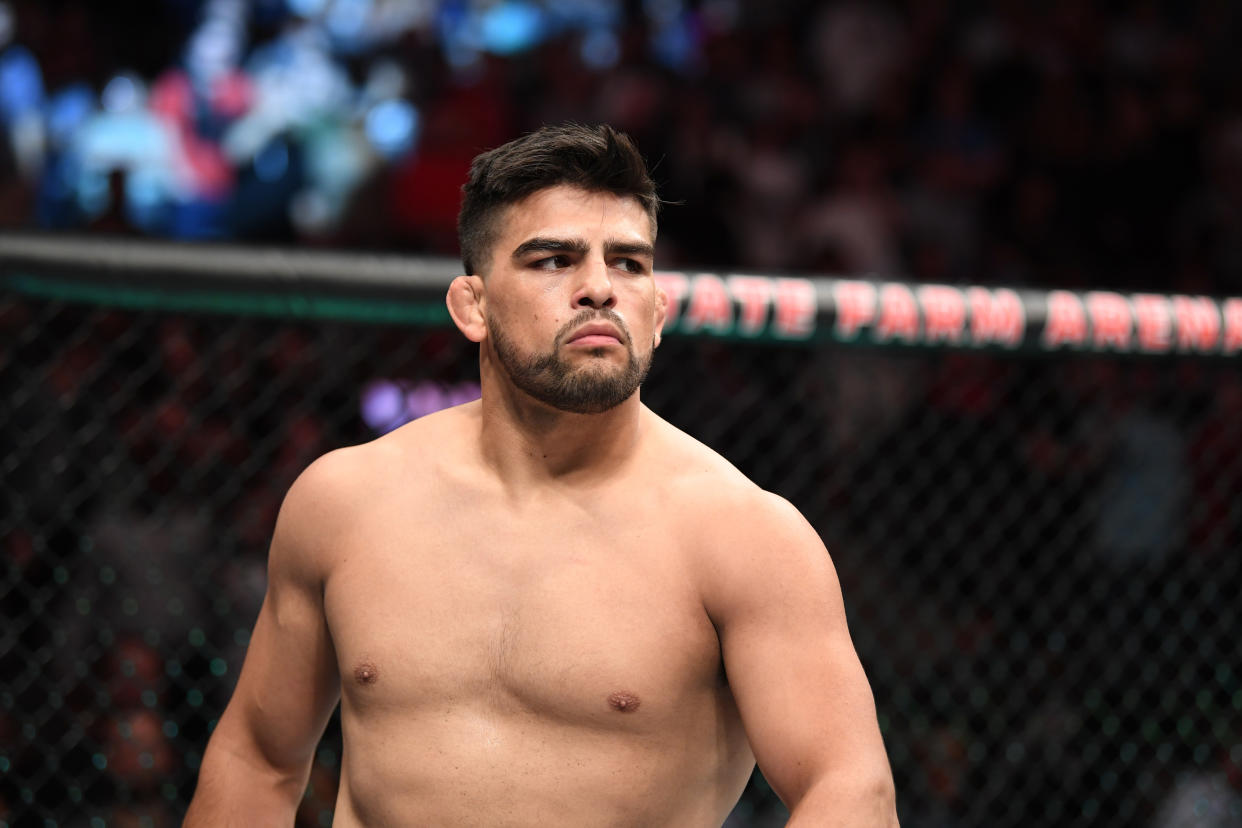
(596, 335)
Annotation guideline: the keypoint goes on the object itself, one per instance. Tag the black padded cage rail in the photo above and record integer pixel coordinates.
(387, 288)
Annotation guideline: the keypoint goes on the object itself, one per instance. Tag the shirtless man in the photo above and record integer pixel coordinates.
(549, 607)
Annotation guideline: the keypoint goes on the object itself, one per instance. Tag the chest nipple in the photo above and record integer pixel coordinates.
(623, 702)
(366, 673)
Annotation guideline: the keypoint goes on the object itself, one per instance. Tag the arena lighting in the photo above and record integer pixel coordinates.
(307, 8)
(386, 404)
(124, 93)
(347, 18)
(272, 162)
(392, 127)
(21, 83)
(218, 42)
(511, 27)
(600, 49)
(68, 110)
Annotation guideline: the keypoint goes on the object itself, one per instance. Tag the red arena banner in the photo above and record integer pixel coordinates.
(743, 306)
(892, 313)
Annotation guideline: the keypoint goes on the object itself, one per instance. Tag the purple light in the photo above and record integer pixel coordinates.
(383, 406)
(388, 404)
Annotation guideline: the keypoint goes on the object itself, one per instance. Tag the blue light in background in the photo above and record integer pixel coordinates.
(511, 26)
(307, 8)
(122, 140)
(454, 27)
(460, 56)
(93, 193)
(272, 162)
(121, 94)
(21, 83)
(346, 22)
(218, 42)
(306, 116)
(60, 179)
(600, 49)
(67, 111)
(146, 196)
(584, 14)
(392, 127)
(675, 44)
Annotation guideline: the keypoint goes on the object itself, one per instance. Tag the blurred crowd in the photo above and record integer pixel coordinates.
(1016, 142)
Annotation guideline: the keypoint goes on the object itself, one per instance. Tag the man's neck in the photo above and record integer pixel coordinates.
(526, 441)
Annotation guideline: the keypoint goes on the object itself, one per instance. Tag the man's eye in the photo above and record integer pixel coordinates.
(552, 263)
(631, 265)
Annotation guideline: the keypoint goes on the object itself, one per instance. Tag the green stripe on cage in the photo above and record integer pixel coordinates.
(248, 303)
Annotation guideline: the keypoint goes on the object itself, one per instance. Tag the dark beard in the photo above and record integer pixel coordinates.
(551, 380)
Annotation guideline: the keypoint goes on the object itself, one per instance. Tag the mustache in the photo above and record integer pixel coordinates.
(587, 315)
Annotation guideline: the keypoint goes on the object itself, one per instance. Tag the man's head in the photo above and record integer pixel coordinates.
(558, 234)
(596, 159)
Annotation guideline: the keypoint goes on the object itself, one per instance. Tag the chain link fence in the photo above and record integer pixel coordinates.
(1039, 554)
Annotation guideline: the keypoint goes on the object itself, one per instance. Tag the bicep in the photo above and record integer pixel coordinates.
(804, 699)
(289, 682)
(288, 685)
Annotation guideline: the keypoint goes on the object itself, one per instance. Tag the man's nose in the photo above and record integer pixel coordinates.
(595, 291)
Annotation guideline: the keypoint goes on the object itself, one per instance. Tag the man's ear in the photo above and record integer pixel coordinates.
(661, 313)
(465, 300)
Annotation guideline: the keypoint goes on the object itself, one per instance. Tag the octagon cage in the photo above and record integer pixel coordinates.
(1033, 500)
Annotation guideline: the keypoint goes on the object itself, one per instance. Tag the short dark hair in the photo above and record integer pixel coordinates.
(595, 158)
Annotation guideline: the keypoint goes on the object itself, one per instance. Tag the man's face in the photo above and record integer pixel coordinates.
(572, 310)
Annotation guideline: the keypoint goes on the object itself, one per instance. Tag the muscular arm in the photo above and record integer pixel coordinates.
(258, 759)
(804, 699)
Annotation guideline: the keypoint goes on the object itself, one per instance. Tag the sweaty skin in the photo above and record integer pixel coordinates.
(537, 618)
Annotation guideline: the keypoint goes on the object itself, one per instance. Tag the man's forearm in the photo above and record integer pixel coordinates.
(234, 790)
(847, 803)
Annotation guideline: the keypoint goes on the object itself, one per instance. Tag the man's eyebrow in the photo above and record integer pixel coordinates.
(629, 249)
(545, 244)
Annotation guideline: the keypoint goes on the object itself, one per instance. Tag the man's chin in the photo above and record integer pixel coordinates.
(592, 391)
(594, 353)
(584, 380)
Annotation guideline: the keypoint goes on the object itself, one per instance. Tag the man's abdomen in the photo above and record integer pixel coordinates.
(472, 764)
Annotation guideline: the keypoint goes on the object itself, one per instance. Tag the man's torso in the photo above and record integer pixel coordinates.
(519, 658)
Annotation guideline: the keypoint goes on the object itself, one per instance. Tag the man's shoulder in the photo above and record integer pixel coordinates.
(317, 505)
(713, 488)
(352, 478)
(743, 541)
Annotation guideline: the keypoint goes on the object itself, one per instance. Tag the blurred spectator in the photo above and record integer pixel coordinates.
(941, 785)
(1207, 798)
(1144, 492)
(140, 759)
(1216, 514)
(857, 48)
(855, 229)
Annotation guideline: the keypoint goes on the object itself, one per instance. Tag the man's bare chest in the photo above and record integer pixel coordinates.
(558, 614)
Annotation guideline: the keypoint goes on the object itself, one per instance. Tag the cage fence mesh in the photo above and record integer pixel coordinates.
(1039, 556)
